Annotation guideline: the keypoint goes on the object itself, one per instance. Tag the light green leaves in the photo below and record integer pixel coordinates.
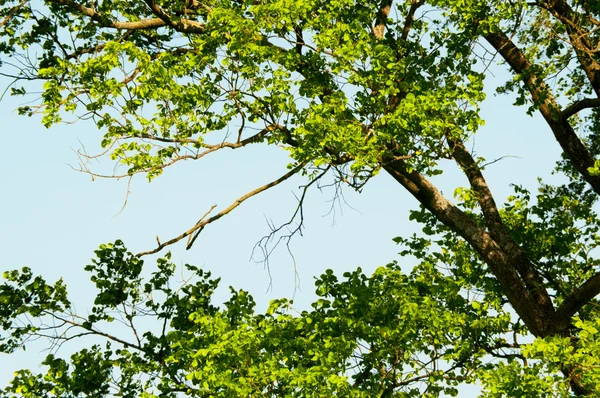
(363, 336)
(312, 66)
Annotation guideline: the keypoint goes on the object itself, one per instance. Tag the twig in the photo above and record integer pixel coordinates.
(263, 243)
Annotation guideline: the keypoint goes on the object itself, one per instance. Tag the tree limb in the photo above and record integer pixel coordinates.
(497, 229)
(576, 300)
(410, 18)
(382, 16)
(12, 13)
(182, 25)
(579, 39)
(455, 219)
(202, 223)
(578, 106)
(572, 146)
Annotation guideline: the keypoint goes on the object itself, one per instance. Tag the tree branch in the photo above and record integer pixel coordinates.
(182, 25)
(264, 243)
(202, 223)
(578, 106)
(96, 332)
(85, 158)
(572, 146)
(382, 16)
(410, 18)
(579, 298)
(579, 39)
(455, 219)
(497, 229)
(12, 13)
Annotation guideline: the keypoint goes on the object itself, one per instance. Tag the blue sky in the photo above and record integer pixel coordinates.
(52, 217)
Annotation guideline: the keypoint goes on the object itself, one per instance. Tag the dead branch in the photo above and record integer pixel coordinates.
(201, 224)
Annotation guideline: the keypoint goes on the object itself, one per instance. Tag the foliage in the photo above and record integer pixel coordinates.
(349, 88)
(419, 334)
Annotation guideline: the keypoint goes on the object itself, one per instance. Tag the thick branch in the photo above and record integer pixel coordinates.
(382, 16)
(572, 304)
(572, 146)
(497, 228)
(500, 265)
(12, 13)
(410, 18)
(181, 25)
(579, 38)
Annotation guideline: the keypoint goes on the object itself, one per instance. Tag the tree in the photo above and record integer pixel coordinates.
(350, 89)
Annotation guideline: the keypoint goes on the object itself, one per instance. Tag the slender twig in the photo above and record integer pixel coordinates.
(263, 243)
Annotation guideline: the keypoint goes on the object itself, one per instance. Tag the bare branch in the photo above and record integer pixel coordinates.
(127, 193)
(200, 225)
(483, 166)
(96, 332)
(193, 237)
(264, 243)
